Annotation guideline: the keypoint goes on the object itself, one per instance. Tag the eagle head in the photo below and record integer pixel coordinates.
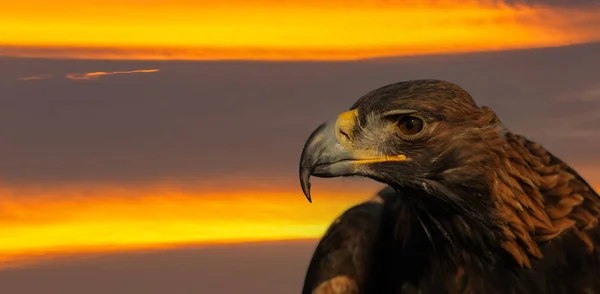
(422, 134)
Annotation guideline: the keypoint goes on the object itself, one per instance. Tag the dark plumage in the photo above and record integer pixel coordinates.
(471, 207)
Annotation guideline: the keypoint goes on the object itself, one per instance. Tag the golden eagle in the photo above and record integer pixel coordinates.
(471, 207)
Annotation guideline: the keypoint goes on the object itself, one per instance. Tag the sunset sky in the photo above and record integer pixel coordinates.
(285, 30)
(131, 130)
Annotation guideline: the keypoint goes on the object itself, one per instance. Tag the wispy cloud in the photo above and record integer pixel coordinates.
(583, 115)
(35, 77)
(591, 95)
(570, 133)
(98, 74)
(87, 75)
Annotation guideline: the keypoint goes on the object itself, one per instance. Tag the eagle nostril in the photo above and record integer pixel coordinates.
(345, 134)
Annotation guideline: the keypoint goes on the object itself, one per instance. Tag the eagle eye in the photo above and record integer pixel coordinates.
(410, 125)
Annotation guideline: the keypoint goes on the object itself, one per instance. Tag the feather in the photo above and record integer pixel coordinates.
(476, 208)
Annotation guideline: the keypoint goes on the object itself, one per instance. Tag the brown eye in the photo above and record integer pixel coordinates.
(410, 125)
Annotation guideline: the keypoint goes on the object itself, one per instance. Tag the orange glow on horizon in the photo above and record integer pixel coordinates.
(38, 222)
(281, 30)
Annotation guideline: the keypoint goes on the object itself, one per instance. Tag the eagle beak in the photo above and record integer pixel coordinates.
(328, 152)
(323, 156)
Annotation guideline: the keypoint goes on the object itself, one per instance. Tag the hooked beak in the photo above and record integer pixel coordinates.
(328, 152)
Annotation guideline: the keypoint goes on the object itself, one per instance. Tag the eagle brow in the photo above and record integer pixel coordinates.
(396, 112)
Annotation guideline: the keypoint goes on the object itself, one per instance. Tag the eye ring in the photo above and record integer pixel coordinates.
(410, 125)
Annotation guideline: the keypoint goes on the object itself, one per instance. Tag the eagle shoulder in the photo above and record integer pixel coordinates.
(344, 255)
(569, 200)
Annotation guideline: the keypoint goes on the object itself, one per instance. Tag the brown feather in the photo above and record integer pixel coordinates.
(476, 209)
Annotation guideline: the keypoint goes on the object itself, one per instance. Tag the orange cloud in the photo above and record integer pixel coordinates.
(282, 30)
(44, 221)
(98, 74)
(35, 77)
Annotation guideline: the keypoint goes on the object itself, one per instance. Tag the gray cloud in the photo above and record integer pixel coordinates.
(550, 3)
(557, 3)
(266, 268)
(197, 120)
(577, 114)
